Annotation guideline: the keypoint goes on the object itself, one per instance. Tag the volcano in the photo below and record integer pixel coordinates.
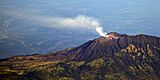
(115, 56)
(105, 46)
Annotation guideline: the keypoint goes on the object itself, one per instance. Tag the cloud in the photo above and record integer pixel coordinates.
(7, 23)
(80, 21)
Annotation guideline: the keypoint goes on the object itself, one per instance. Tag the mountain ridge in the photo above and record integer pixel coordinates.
(126, 56)
(114, 45)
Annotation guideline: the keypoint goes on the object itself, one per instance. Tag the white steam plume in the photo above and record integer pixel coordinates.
(100, 31)
(79, 21)
(82, 21)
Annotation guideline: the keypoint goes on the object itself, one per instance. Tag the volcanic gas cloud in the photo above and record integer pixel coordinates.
(82, 21)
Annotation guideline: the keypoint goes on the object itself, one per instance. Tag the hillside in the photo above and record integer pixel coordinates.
(115, 57)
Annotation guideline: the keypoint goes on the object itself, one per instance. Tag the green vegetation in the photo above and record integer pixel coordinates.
(130, 63)
(97, 63)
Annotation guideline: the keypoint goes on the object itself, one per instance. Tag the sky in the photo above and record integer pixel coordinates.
(138, 16)
(42, 22)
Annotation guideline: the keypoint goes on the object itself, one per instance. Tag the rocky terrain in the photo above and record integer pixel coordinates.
(114, 57)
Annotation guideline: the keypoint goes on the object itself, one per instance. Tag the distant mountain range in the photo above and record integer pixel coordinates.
(115, 57)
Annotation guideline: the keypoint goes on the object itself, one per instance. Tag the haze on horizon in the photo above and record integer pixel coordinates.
(26, 26)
